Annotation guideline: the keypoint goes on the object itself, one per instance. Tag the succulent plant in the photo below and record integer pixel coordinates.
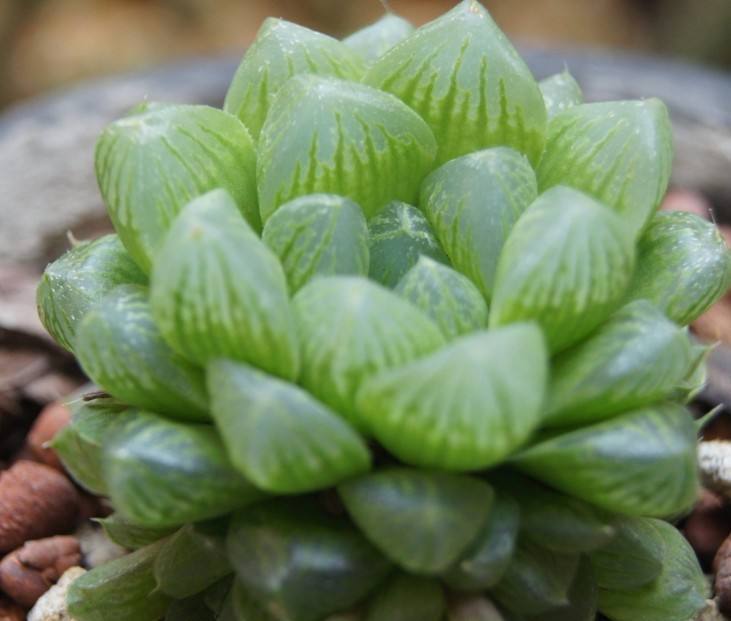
(397, 335)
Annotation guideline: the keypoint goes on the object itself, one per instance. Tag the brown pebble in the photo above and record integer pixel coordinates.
(708, 526)
(722, 581)
(687, 200)
(50, 421)
(36, 501)
(10, 611)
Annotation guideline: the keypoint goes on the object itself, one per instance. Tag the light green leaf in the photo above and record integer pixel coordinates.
(677, 594)
(328, 135)
(445, 295)
(487, 559)
(319, 234)
(638, 357)
(467, 406)
(162, 473)
(655, 447)
(282, 50)
(120, 349)
(217, 290)
(467, 81)
(473, 608)
(79, 279)
(473, 202)
(150, 165)
(565, 265)
(422, 520)
(560, 92)
(683, 265)
(398, 236)
(280, 437)
(583, 598)
(129, 535)
(407, 597)
(381, 331)
(300, 563)
(619, 152)
(377, 38)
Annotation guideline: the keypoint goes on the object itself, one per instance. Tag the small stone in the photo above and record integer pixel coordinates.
(96, 548)
(50, 421)
(10, 611)
(714, 461)
(52, 605)
(711, 612)
(707, 526)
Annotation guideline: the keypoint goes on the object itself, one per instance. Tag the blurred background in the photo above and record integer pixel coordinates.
(45, 44)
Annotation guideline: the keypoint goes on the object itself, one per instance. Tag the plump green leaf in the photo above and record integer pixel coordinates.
(638, 357)
(398, 236)
(129, 535)
(217, 290)
(467, 406)
(150, 165)
(560, 92)
(190, 609)
(282, 50)
(406, 597)
(445, 295)
(76, 281)
(352, 328)
(162, 473)
(328, 135)
(121, 590)
(583, 596)
(537, 580)
(473, 202)
(619, 152)
(278, 436)
(633, 558)
(422, 520)
(319, 234)
(473, 608)
(245, 607)
(121, 349)
(192, 559)
(640, 463)
(486, 560)
(300, 563)
(467, 81)
(683, 265)
(377, 38)
(566, 265)
(677, 594)
(218, 595)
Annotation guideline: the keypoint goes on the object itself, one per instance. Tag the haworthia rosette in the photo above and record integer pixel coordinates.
(381, 331)
(150, 165)
(683, 265)
(398, 236)
(560, 92)
(121, 349)
(637, 357)
(76, 281)
(333, 136)
(447, 296)
(406, 597)
(422, 520)
(281, 438)
(472, 203)
(656, 447)
(467, 81)
(217, 290)
(319, 234)
(374, 40)
(618, 152)
(565, 265)
(465, 407)
(163, 473)
(280, 51)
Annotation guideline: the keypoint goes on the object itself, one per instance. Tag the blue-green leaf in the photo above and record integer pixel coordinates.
(619, 152)
(467, 406)
(467, 81)
(422, 520)
(328, 135)
(683, 265)
(76, 281)
(560, 92)
(121, 349)
(406, 597)
(473, 202)
(640, 463)
(565, 265)
(377, 38)
(218, 291)
(282, 50)
(445, 295)
(278, 436)
(319, 234)
(398, 236)
(150, 165)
